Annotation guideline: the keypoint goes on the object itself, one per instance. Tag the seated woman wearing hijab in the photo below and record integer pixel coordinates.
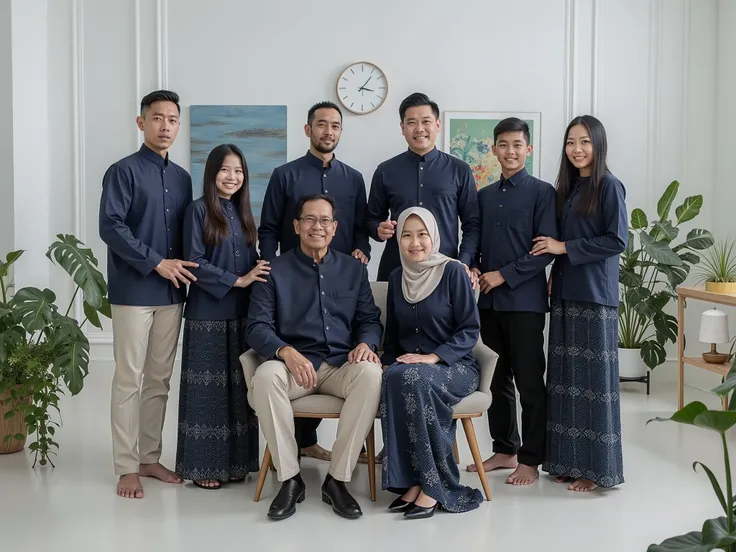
(432, 325)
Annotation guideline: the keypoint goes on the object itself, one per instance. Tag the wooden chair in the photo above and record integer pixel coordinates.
(312, 406)
(472, 406)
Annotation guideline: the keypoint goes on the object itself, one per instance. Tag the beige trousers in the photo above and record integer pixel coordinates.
(144, 343)
(273, 388)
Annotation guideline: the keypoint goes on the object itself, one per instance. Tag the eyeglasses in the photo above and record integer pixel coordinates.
(325, 222)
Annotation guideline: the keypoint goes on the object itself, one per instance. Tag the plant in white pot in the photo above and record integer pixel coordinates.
(649, 274)
(717, 269)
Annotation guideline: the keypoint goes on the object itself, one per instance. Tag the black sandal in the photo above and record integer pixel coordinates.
(207, 487)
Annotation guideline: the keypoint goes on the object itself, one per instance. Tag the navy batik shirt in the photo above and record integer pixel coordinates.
(513, 212)
(144, 197)
(307, 176)
(589, 271)
(445, 323)
(213, 295)
(322, 310)
(436, 181)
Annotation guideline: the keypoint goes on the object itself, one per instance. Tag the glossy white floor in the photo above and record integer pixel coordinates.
(73, 507)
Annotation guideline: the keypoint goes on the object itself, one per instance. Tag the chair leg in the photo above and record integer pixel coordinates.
(475, 451)
(263, 473)
(370, 448)
(457, 453)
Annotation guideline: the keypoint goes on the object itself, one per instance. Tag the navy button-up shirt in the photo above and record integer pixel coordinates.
(212, 296)
(445, 323)
(322, 310)
(513, 212)
(438, 182)
(307, 176)
(589, 271)
(144, 197)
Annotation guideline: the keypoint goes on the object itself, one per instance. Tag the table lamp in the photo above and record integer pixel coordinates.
(714, 329)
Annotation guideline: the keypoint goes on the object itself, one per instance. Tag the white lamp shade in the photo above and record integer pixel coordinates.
(714, 327)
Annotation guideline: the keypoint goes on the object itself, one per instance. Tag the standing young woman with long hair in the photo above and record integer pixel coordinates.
(583, 409)
(218, 430)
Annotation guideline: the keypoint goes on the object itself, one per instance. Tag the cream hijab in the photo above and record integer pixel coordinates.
(419, 279)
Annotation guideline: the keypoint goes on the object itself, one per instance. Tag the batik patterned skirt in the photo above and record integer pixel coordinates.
(218, 430)
(419, 432)
(583, 406)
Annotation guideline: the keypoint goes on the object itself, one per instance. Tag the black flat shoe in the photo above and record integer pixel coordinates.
(399, 505)
(336, 495)
(417, 512)
(291, 493)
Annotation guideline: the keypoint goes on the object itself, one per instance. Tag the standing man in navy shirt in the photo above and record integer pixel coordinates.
(425, 177)
(513, 302)
(317, 172)
(144, 197)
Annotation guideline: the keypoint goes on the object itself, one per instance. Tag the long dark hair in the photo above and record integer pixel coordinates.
(216, 227)
(588, 204)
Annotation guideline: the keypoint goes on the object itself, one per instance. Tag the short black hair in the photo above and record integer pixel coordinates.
(512, 124)
(160, 96)
(321, 105)
(417, 99)
(313, 197)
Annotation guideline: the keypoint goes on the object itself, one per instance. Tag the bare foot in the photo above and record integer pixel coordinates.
(129, 486)
(412, 494)
(497, 462)
(159, 472)
(208, 484)
(424, 501)
(562, 479)
(316, 451)
(582, 486)
(523, 475)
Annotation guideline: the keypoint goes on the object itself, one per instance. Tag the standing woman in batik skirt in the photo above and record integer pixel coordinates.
(583, 409)
(218, 430)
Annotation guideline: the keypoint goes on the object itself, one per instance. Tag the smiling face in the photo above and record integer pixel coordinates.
(579, 149)
(230, 177)
(316, 225)
(420, 128)
(511, 150)
(415, 242)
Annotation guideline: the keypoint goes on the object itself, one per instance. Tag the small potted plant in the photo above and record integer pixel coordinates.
(43, 350)
(718, 267)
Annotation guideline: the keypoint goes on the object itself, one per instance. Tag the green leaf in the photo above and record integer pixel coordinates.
(71, 354)
(9, 339)
(689, 209)
(715, 532)
(661, 253)
(675, 274)
(35, 307)
(714, 536)
(686, 415)
(629, 278)
(666, 325)
(9, 414)
(105, 310)
(653, 353)
(691, 258)
(639, 219)
(719, 421)
(9, 260)
(714, 482)
(92, 316)
(19, 436)
(665, 202)
(664, 231)
(81, 265)
(637, 295)
(697, 239)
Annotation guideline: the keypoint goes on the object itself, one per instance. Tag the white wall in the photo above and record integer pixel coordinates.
(6, 132)
(647, 68)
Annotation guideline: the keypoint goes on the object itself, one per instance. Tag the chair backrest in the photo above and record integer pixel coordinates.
(380, 291)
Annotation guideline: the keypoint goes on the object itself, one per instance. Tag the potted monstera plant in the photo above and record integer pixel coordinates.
(44, 352)
(652, 266)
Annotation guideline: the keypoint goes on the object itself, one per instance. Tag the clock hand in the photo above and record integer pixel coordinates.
(366, 82)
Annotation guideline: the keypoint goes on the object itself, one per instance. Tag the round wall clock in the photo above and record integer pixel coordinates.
(362, 87)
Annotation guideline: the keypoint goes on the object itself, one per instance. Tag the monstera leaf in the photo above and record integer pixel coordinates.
(81, 265)
(714, 536)
(35, 307)
(71, 353)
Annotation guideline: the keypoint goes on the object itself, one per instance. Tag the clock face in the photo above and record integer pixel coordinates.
(362, 88)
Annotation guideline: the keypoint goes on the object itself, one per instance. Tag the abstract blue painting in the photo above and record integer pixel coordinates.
(258, 130)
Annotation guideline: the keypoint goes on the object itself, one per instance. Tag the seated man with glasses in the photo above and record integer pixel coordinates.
(318, 327)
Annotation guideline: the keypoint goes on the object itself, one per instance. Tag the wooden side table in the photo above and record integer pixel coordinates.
(721, 369)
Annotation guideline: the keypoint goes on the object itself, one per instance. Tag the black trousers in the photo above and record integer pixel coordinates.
(518, 338)
(305, 431)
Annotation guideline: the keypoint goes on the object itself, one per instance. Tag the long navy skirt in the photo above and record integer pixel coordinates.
(583, 400)
(419, 432)
(218, 430)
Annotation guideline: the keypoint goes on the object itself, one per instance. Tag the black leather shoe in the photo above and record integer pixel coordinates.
(336, 495)
(417, 512)
(399, 505)
(291, 493)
